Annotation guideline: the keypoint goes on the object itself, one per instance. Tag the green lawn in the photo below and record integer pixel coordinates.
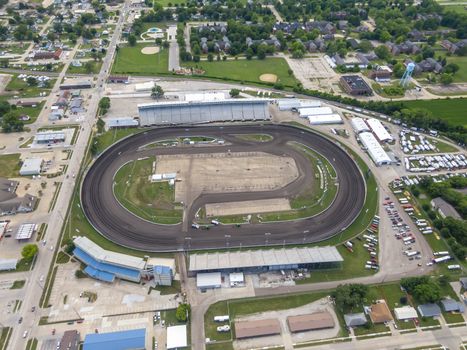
(20, 88)
(18, 284)
(96, 67)
(456, 8)
(9, 165)
(130, 60)
(5, 337)
(171, 3)
(32, 112)
(247, 71)
(461, 75)
(173, 289)
(152, 201)
(452, 110)
(110, 137)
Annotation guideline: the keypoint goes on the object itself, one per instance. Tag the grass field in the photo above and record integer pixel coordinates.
(9, 165)
(170, 3)
(21, 88)
(130, 60)
(456, 8)
(96, 67)
(153, 201)
(461, 75)
(246, 70)
(452, 110)
(18, 284)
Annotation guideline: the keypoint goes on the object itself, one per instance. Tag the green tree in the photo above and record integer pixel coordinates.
(382, 52)
(157, 92)
(210, 57)
(183, 312)
(132, 40)
(446, 79)
(31, 81)
(88, 67)
(427, 293)
(10, 123)
(104, 105)
(348, 296)
(100, 125)
(398, 70)
(29, 251)
(234, 93)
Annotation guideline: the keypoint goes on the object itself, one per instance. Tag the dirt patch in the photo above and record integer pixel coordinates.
(150, 50)
(248, 207)
(226, 172)
(4, 80)
(268, 78)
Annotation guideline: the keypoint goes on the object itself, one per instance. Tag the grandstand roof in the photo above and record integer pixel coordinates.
(269, 257)
(179, 112)
(106, 256)
(124, 340)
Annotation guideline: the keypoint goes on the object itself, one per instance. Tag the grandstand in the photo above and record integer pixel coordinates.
(106, 265)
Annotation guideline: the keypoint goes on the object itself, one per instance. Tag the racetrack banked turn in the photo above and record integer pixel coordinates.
(124, 228)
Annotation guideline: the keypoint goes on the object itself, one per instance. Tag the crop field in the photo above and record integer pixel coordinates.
(246, 70)
(130, 60)
(452, 110)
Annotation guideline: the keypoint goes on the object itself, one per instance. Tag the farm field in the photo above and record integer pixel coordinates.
(130, 60)
(246, 70)
(452, 110)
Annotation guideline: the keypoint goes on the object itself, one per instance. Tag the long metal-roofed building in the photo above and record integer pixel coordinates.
(106, 265)
(266, 260)
(124, 340)
(376, 152)
(196, 112)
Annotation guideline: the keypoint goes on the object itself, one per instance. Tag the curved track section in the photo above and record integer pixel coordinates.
(124, 228)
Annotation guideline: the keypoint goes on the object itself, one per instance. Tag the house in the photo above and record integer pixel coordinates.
(354, 320)
(354, 44)
(430, 65)
(406, 47)
(381, 74)
(451, 305)
(342, 25)
(405, 313)
(444, 208)
(380, 313)
(429, 310)
(463, 282)
(75, 105)
(416, 35)
(16, 205)
(454, 47)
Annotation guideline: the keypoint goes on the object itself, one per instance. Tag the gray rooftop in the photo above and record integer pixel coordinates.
(452, 305)
(7, 189)
(429, 310)
(258, 258)
(446, 208)
(353, 320)
(181, 112)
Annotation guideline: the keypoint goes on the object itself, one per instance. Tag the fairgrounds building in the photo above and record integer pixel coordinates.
(195, 112)
(256, 261)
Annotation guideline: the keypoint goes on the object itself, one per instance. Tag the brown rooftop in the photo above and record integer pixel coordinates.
(308, 322)
(380, 313)
(257, 328)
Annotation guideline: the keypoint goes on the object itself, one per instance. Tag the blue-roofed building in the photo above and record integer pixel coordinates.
(125, 340)
(162, 275)
(451, 305)
(106, 265)
(429, 310)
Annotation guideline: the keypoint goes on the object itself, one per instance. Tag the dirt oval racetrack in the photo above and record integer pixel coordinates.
(124, 228)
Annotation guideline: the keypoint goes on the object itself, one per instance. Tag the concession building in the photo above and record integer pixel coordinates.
(196, 112)
(257, 261)
(257, 328)
(310, 322)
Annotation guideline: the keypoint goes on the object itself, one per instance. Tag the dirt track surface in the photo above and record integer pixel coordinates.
(124, 228)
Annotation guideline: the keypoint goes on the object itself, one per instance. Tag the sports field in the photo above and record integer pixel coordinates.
(452, 110)
(130, 60)
(246, 70)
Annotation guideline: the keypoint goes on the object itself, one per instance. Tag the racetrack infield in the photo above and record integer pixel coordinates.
(122, 227)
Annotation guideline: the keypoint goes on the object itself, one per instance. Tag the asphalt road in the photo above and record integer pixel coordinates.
(122, 227)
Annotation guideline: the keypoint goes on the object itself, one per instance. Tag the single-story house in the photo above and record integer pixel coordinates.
(451, 305)
(354, 320)
(429, 310)
(380, 313)
(405, 313)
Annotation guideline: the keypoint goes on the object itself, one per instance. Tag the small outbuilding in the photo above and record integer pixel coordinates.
(208, 280)
(237, 279)
(176, 337)
(31, 166)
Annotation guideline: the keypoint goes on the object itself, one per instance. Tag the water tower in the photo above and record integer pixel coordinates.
(407, 74)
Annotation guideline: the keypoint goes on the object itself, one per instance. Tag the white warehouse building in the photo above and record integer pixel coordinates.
(307, 111)
(376, 152)
(379, 130)
(359, 125)
(325, 119)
